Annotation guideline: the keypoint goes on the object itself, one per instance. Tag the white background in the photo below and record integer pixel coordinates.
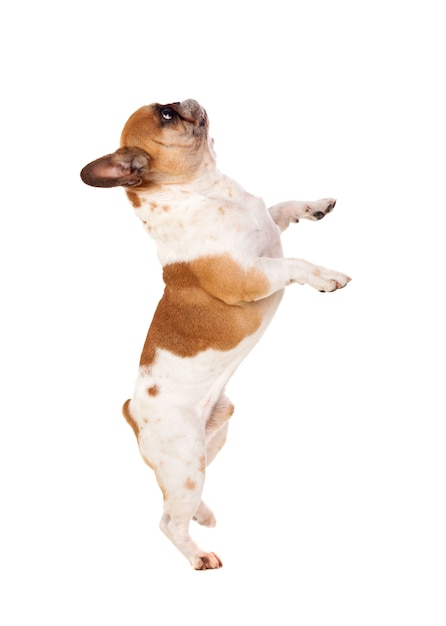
(330, 493)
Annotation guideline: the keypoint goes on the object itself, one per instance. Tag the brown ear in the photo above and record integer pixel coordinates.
(125, 167)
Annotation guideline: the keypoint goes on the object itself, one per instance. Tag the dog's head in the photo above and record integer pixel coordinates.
(160, 144)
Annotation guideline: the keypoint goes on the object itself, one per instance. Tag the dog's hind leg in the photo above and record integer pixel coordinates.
(217, 427)
(286, 212)
(177, 453)
(216, 432)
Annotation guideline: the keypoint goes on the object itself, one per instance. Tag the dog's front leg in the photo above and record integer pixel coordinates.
(286, 212)
(282, 272)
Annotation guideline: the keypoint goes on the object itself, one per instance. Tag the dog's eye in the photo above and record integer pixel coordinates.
(166, 113)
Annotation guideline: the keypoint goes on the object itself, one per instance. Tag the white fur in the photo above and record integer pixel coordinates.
(220, 218)
(179, 411)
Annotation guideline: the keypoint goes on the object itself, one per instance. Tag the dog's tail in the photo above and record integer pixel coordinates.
(128, 416)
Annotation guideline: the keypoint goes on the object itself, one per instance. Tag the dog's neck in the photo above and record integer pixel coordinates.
(204, 182)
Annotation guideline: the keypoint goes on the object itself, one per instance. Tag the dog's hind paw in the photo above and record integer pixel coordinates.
(204, 516)
(207, 561)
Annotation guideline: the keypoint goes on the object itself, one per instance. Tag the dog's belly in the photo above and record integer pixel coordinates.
(197, 339)
(173, 383)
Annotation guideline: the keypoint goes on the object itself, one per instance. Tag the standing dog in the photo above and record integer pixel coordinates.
(224, 275)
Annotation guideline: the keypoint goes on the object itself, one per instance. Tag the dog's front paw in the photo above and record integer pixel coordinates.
(327, 280)
(294, 210)
(318, 209)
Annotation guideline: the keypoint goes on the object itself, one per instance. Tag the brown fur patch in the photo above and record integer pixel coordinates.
(207, 303)
(134, 199)
(189, 484)
(226, 279)
(173, 149)
(202, 466)
(153, 391)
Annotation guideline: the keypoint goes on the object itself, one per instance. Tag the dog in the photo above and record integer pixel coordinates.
(224, 276)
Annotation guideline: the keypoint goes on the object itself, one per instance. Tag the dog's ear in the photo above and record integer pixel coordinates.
(125, 167)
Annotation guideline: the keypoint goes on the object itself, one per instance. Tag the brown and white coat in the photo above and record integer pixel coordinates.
(224, 275)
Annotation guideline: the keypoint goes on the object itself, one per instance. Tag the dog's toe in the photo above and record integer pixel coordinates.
(329, 280)
(325, 206)
(208, 561)
(319, 209)
(330, 206)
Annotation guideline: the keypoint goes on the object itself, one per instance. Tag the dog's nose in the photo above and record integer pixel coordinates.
(190, 111)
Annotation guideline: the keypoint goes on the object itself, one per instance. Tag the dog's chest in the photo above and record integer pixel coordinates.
(187, 223)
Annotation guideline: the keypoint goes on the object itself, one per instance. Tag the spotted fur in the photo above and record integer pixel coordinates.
(224, 275)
